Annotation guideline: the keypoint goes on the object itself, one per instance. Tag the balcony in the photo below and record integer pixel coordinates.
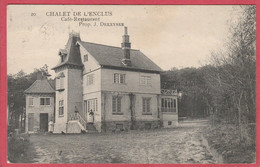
(168, 110)
(169, 92)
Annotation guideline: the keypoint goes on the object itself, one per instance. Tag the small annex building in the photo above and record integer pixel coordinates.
(40, 105)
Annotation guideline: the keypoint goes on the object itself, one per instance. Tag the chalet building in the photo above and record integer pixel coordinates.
(40, 105)
(107, 88)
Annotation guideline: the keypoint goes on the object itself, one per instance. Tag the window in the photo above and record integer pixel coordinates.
(62, 58)
(168, 105)
(169, 122)
(30, 101)
(90, 79)
(146, 106)
(60, 81)
(44, 101)
(92, 104)
(119, 78)
(61, 108)
(116, 105)
(85, 58)
(145, 80)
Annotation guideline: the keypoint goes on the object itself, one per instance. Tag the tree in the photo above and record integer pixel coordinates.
(233, 81)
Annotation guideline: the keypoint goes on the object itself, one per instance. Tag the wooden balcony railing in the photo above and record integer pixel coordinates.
(169, 92)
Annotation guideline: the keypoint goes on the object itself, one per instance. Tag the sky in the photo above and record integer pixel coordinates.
(173, 36)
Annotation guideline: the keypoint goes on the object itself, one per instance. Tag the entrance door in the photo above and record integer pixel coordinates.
(90, 107)
(44, 122)
(30, 121)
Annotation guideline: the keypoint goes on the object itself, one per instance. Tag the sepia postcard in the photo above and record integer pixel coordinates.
(131, 84)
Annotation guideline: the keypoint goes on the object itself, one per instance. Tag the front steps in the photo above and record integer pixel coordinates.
(90, 128)
(75, 126)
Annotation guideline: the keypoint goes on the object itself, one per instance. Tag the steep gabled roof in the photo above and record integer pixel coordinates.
(41, 86)
(72, 53)
(112, 56)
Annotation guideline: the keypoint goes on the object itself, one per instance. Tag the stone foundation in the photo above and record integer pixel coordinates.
(109, 126)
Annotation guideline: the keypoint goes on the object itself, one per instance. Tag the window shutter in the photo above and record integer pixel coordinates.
(122, 78)
(114, 104)
(61, 83)
(148, 105)
(30, 101)
(47, 101)
(119, 104)
(42, 101)
(143, 104)
(148, 80)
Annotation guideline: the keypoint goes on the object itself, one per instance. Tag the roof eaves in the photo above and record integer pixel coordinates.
(130, 69)
(26, 90)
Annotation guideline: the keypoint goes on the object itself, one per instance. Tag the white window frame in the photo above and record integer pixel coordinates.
(30, 101)
(92, 104)
(45, 101)
(117, 105)
(90, 79)
(61, 106)
(146, 105)
(119, 78)
(145, 80)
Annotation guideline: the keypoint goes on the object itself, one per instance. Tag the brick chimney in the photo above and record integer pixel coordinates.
(126, 46)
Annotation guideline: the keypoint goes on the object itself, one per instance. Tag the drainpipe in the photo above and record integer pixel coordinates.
(131, 96)
(66, 127)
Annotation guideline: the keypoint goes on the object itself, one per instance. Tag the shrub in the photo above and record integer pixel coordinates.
(17, 148)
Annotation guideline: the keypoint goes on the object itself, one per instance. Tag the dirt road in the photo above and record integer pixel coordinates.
(178, 145)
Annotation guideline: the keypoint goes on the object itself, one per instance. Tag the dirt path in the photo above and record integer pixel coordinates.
(178, 145)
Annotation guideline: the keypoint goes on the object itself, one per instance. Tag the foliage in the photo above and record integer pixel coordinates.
(195, 100)
(233, 81)
(223, 138)
(18, 148)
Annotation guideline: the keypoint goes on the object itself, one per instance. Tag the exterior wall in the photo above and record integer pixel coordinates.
(37, 109)
(138, 121)
(60, 121)
(75, 91)
(89, 65)
(132, 82)
(131, 87)
(96, 86)
(170, 117)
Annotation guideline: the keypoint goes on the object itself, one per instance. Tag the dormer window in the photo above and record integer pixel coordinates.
(62, 53)
(62, 58)
(85, 57)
